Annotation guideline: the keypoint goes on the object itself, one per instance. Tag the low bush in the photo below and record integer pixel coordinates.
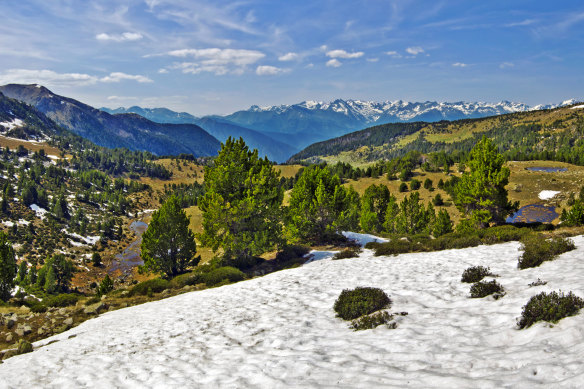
(351, 252)
(475, 274)
(371, 321)
(38, 307)
(156, 285)
(183, 280)
(92, 300)
(483, 289)
(550, 307)
(24, 347)
(537, 250)
(217, 276)
(506, 233)
(291, 252)
(360, 301)
(393, 247)
(61, 300)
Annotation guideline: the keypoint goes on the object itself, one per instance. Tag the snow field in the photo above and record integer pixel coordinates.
(280, 331)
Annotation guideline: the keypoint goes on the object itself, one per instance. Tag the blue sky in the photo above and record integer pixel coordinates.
(215, 57)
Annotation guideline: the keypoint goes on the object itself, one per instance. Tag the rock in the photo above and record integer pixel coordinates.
(41, 331)
(19, 331)
(103, 297)
(95, 309)
(27, 329)
(9, 338)
(9, 354)
(68, 321)
(63, 311)
(165, 293)
(24, 347)
(125, 293)
(10, 322)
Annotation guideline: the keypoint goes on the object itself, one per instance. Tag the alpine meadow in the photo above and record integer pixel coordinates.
(217, 194)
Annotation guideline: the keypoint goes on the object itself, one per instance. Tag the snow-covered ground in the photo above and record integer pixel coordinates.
(548, 194)
(280, 331)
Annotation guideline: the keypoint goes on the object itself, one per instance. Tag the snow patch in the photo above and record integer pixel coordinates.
(40, 212)
(363, 239)
(578, 107)
(548, 194)
(13, 124)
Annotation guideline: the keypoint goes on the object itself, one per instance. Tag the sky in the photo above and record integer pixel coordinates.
(217, 57)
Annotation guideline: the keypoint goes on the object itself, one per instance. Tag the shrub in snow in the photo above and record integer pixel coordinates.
(360, 301)
(550, 307)
(221, 274)
(24, 347)
(290, 252)
(351, 252)
(475, 274)
(371, 321)
(483, 289)
(537, 250)
(156, 285)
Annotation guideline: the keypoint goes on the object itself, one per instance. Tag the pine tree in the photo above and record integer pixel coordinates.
(413, 218)
(168, 245)
(373, 207)
(50, 285)
(313, 214)
(8, 267)
(480, 194)
(105, 286)
(22, 270)
(242, 204)
(96, 259)
(443, 224)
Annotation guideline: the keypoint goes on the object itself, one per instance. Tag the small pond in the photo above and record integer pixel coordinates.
(547, 169)
(130, 257)
(534, 213)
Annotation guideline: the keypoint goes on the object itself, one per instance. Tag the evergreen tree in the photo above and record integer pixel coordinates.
(105, 286)
(480, 193)
(8, 267)
(313, 215)
(168, 245)
(373, 207)
(22, 271)
(96, 259)
(56, 274)
(347, 207)
(443, 224)
(50, 285)
(242, 204)
(574, 216)
(413, 218)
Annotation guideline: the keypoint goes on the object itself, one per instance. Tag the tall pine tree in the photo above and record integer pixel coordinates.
(242, 204)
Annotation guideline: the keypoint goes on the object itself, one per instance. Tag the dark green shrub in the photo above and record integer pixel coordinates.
(61, 300)
(500, 234)
(415, 184)
(92, 300)
(455, 240)
(106, 286)
(475, 274)
(403, 187)
(437, 200)
(550, 307)
(290, 252)
(371, 321)
(483, 289)
(393, 247)
(156, 285)
(183, 280)
(215, 277)
(360, 301)
(351, 252)
(38, 307)
(537, 250)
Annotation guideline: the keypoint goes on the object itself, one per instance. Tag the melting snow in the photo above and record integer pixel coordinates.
(280, 331)
(13, 124)
(548, 194)
(578, 107)
(40, 212)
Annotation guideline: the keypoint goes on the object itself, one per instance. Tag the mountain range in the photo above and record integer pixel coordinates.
(131, 131)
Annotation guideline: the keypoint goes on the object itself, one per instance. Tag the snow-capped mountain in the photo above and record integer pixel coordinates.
(313, 121)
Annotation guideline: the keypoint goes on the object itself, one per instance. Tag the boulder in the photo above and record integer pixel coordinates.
(95, 309)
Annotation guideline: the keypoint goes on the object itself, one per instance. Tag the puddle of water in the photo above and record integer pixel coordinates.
(547, 169)
(534, 213)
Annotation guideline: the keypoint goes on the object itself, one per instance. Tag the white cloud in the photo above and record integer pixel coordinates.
(522, 23)
(266, 70)
(288, 57)
(124, 37)
(343, 54)
(506, 65)
(393, 54)
(46, 77)
(51, 78)
(335, 63)
(459, 65)
(372, 59)
(119, 76)
(217, 61)
(414, 50)
(162, 71)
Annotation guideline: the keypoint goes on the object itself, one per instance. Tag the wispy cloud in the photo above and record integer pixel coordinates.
(393, 54)
(344, 54)
(506, 65)
(52, 78)
(266, 70)
(523, 23)
(459, 65)
(124, 37)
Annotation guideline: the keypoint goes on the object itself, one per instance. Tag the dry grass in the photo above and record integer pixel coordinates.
(186, 172)
(13, 144)
(288, 171)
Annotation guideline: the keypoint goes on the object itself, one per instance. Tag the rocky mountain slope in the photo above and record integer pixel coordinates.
(130, 130)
